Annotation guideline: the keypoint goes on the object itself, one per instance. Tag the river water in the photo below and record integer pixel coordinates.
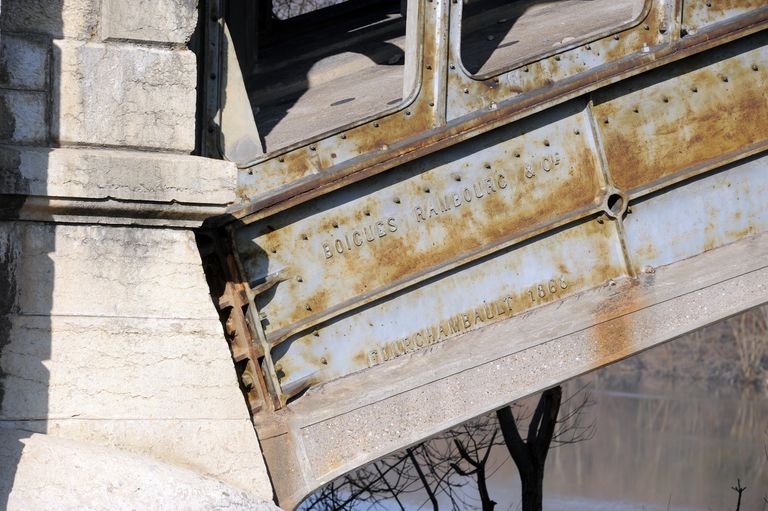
(658, 444)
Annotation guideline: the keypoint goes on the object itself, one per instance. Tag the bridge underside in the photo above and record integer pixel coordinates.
(495, 235)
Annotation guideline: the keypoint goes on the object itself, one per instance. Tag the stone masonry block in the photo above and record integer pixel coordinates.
(168, 21)
(56, 18)
(46, 472)
(106, 271)
(124, 175)
(23, 63)
(146, 95)
(236, 458)
(116, 368)
(23, 116)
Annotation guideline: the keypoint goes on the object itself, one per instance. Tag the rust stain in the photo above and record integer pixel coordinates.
(701, 13)
(613, 331)
(443, 214)
(682, 121)
(522, 294)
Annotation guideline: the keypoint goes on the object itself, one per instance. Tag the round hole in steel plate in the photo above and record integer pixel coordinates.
(615, 204)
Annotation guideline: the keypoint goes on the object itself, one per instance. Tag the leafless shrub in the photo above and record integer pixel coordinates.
(750, 331)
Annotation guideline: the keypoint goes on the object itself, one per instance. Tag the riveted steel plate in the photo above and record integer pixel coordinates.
(708, 213)
(519, 230)
(364, 241)
(698, 14)
(696, 114)
(496, 288)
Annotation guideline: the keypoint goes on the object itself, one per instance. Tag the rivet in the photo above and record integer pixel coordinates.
(431, 103)
(605, 121)
(649, 269)
(281, 159)
(367, 213)
(466, 91)
(375, 124)
(307, 307)
(646, 27)
(323, 361)
(343, 136)
(452, 66)
(299, 279)
(517, 155)
(304, 237)
(426, 190)
(724, 78)
(616, 37)
(754, 67)
(407, 112)
(457, 178)
(274, 251)
(397, 200)
(335, 225)
(588, 47)
(665, 99)
(313, 148)
(694, 89)
(709, 4)
(333, 155)
(525, 69)
(487, 165)
(546, 143)
(429, 66)
(557, 57)
(316, 333)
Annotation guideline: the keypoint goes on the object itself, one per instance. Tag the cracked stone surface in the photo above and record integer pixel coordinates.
(54, 473)
(110, 337)
(147, 95)
(171, 21)
(126, 175)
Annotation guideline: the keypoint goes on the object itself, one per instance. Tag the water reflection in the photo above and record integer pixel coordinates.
(663, 441)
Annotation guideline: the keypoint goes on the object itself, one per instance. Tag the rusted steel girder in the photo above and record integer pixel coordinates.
(498, 234)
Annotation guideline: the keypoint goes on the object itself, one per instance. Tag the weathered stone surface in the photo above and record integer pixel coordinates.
(147, 95)
(57, 18)
(127, 175)
(23, 63)
(22, 116)
(171, 21)
(108, 335)
(45, 472)
(223, 449)
(91, 368)
(109, 271)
